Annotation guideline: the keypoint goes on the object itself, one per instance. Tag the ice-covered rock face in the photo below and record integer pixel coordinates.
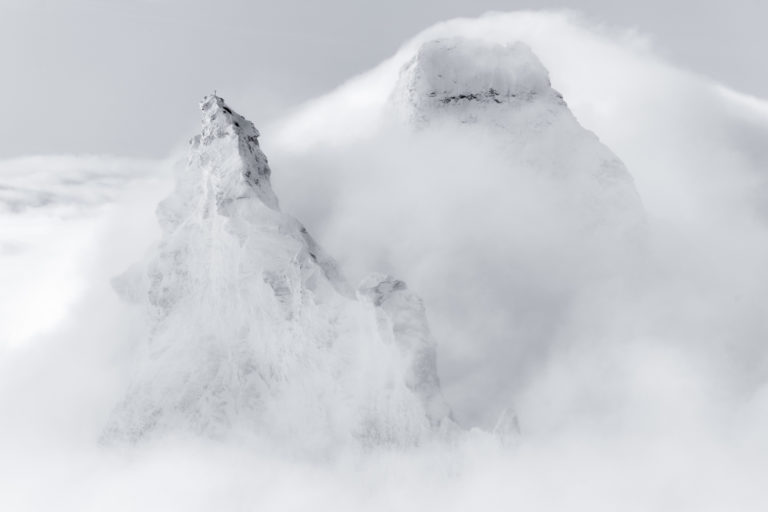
(401, 313)
(501, 207)
(254, 329)
(460, 74)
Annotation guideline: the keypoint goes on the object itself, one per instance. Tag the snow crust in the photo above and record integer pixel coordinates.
(255, 330)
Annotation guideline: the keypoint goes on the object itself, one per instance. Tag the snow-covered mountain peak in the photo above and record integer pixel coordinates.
(228, 147)
(253, 327)
(217, 115)
(456, 73)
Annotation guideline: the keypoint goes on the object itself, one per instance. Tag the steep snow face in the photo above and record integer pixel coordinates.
(253, 327)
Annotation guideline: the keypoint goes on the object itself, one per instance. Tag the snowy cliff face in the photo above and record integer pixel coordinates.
(253, 327)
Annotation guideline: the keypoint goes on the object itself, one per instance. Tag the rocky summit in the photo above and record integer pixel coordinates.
(255, 330)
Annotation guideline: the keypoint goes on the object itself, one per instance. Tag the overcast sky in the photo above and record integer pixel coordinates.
(123, 77)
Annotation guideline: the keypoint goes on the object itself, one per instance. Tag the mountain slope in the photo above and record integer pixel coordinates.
(253, 327)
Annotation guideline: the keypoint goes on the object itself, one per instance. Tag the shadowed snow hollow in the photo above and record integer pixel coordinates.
(255, 330)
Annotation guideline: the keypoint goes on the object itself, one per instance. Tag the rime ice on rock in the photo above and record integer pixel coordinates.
(400, 314)
(462, 75)
(253, 327)
(507, 428)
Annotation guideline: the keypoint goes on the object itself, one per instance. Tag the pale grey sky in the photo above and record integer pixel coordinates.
(122, 77)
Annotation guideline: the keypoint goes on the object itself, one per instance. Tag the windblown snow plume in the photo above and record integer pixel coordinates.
(253, 327)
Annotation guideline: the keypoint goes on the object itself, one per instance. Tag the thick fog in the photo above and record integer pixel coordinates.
(634, 359)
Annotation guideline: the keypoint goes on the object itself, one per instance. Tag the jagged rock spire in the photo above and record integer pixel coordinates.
(223, 129)
(254, 328)
(501, 93)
